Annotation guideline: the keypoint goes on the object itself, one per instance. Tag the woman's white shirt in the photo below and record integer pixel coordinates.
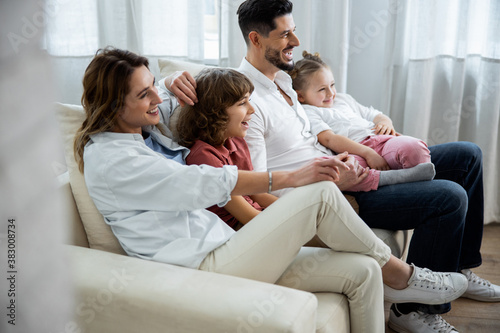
(155, 206)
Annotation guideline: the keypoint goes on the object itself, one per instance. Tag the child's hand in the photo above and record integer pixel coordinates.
(384, 127)
(375, 161)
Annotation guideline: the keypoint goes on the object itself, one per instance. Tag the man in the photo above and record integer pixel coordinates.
(446, 213)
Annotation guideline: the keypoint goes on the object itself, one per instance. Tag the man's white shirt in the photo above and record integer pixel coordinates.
(279, 137)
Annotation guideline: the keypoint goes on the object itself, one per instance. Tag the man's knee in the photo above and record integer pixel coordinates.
(452, 198)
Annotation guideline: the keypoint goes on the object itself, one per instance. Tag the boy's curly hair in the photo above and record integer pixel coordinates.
(217, 89)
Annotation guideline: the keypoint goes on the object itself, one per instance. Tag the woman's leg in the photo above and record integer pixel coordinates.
(270, 247)
(264, 247)
(356, 276)
(435, 210)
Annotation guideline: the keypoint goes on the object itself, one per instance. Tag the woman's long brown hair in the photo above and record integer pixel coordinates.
(105, 85)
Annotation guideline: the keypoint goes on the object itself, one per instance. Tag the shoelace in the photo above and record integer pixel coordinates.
(436, 322)
(476, 279)
(426, 276)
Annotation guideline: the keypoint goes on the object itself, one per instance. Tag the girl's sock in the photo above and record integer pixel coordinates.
(422, 171)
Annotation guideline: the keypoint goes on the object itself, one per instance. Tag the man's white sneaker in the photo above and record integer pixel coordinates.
(480, 289)
(428, 287)
(418, 322)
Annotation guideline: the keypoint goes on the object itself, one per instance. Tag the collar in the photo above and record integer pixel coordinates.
(106, 136)
(226, 149)
(230, 145)
(282, 79)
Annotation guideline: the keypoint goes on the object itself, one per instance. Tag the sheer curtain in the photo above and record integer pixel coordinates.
(444, 78)
(204, 31)
(154, 28)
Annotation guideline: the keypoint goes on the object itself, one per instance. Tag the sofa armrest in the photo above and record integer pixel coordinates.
(116, 293)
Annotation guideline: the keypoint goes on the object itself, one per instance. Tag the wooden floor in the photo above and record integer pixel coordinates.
(470, 316)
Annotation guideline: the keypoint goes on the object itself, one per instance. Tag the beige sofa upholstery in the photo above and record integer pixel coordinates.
(117, 293)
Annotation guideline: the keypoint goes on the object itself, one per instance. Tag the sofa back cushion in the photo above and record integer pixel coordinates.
(168, 66)
(99, 234)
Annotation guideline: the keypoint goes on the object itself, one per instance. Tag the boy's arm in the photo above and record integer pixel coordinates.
(241, 209)
(264, 199)
(339, 143)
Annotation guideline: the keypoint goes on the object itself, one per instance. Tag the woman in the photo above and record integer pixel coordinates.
(155, 204)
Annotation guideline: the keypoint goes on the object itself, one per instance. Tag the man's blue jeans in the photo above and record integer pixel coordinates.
(446, 213)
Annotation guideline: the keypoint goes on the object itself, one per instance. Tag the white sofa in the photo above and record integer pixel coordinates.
(117, 293)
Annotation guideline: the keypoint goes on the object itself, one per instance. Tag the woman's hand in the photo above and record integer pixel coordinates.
(326, 168)
(341, 169)
(183, 86)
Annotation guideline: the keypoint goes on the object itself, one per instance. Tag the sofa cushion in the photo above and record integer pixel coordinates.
(333, 313)
(99, 234)
(168, 66)
(147, 296)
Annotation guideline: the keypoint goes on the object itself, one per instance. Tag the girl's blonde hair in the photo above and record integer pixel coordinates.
(304, 68)
(105, 85)
(216, 89)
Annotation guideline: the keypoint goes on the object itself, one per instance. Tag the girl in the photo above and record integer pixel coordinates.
(341, 124)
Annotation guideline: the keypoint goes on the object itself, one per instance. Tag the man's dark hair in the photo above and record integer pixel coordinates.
(259, 15)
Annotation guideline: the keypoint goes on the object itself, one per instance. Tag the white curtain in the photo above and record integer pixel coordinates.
(154, 28)
(444, 77)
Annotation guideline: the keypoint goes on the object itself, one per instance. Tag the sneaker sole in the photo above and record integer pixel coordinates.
(432, 301)
(397, 328)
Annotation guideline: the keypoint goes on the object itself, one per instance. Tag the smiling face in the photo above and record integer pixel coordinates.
(239, 115)
(141, 103)
(320, 90)
(278, 45)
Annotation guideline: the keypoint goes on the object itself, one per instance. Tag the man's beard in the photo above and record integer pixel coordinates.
(274, 57)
